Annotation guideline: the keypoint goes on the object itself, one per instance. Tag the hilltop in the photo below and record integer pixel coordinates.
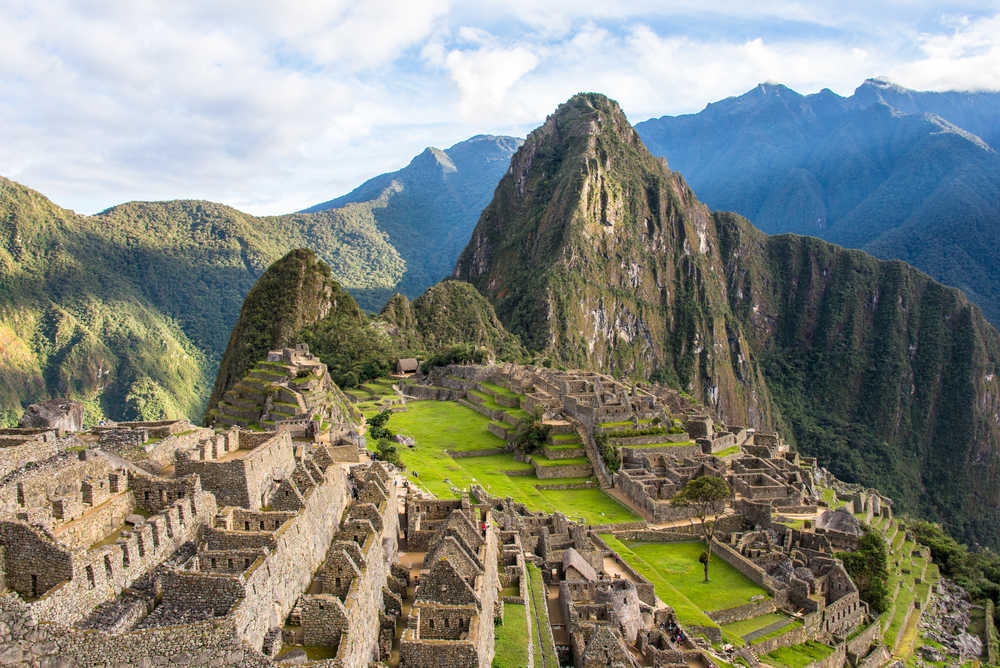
(599, 256)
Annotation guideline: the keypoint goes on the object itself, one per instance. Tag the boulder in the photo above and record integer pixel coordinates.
(403, 439)
(295, 657)
(63, 415)
(840, 520)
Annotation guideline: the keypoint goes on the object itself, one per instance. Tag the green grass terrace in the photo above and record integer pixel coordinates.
(443, 427)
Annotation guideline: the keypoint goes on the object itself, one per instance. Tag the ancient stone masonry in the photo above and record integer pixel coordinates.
(456, 599)
(289, 391)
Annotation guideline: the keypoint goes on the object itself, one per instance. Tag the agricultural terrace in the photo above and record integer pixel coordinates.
(440, 428)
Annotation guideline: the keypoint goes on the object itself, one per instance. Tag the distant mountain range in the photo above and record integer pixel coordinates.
(427, 209)
(131, 309)
(899, 173)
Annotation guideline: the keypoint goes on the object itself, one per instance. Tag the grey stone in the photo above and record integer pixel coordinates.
(135, 520)
(295, 657)
(11, 654)
(62, 414)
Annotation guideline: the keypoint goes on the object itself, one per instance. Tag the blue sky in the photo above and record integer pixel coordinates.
(271, 108)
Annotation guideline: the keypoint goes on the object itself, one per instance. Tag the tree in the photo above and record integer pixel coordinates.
(868, 567)
(706, 495)
(530, 435)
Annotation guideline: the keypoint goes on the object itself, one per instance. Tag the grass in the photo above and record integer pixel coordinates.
(678, 564)
(498, 389)
(728, 451)
(572, 461)
(511, 648)
(439, 426)
(777, 632)
(563, 438)
(625, 423)
(687, 612)
(667, 444)
(740, 629)
(540, 612)
(797, 656)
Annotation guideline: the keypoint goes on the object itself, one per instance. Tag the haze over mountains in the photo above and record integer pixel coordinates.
(899, 173)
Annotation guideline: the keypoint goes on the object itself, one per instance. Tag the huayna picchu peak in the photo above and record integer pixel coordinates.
(598, 256)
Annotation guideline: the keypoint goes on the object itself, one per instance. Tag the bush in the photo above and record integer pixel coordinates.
(376, 425)
(458, 353)
(386, 451)
(609, 453)
(645, 431)
(529, 435)
(868, 566)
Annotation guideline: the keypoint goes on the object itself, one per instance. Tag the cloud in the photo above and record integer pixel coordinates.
(967, 58)
(271, 107)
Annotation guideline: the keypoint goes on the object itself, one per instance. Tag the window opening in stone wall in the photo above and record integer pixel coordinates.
(139, 546)
(156, 537)
(246, 563)
(262, 525)
(20, 494)
(246, 525)
(90, 576)
(125, 556)
(107, 565)
(34, 586)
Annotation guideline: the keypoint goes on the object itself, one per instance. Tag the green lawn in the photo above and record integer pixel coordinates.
(687, 612)
(560, 439)
(541, 460)
(665, 444)
(511, 646)
(515, 413)
(797, 656)
(678, 564)
(540, 614)
(438, 426)
(728, 451)
(498, 389)
(626, 423)
(746, 626)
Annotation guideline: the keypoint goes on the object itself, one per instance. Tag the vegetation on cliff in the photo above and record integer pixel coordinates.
(598, 255)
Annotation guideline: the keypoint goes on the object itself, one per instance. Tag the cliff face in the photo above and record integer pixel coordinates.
(293, 293)
(598, 255)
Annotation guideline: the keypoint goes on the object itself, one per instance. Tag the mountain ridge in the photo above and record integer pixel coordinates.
(856, 171)
(593, 249)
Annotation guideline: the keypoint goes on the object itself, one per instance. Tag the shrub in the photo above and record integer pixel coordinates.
(529, 435)
(376, 425)
(609, 453)
(458, 353)
(386, 451)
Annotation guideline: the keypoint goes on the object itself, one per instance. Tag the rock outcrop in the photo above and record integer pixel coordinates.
(63, 415)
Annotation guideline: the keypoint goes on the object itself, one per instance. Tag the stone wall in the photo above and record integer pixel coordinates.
(245, 480)
(103, 573)
(745, 566)
(98, 522)
(742, 612)
(13, 457)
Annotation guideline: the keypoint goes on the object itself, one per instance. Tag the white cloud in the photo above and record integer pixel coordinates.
(272, 106)
(967, 58)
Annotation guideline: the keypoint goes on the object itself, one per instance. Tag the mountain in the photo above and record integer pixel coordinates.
(599, 256)
(295, 292)
(447, 313)
(130, 310)
(427, 209)
(899, 173)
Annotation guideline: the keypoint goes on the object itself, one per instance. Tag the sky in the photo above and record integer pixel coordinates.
(271, 107)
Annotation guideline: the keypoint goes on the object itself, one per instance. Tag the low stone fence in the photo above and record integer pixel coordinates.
(563, 471)
(572, 485)
(679, 451)
(497, 430)
(458, 454)
(745, 566)
(433, 393)
(742, 612)
(859, 645)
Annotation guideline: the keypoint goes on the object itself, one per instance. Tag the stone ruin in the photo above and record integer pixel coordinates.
(291, 391)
